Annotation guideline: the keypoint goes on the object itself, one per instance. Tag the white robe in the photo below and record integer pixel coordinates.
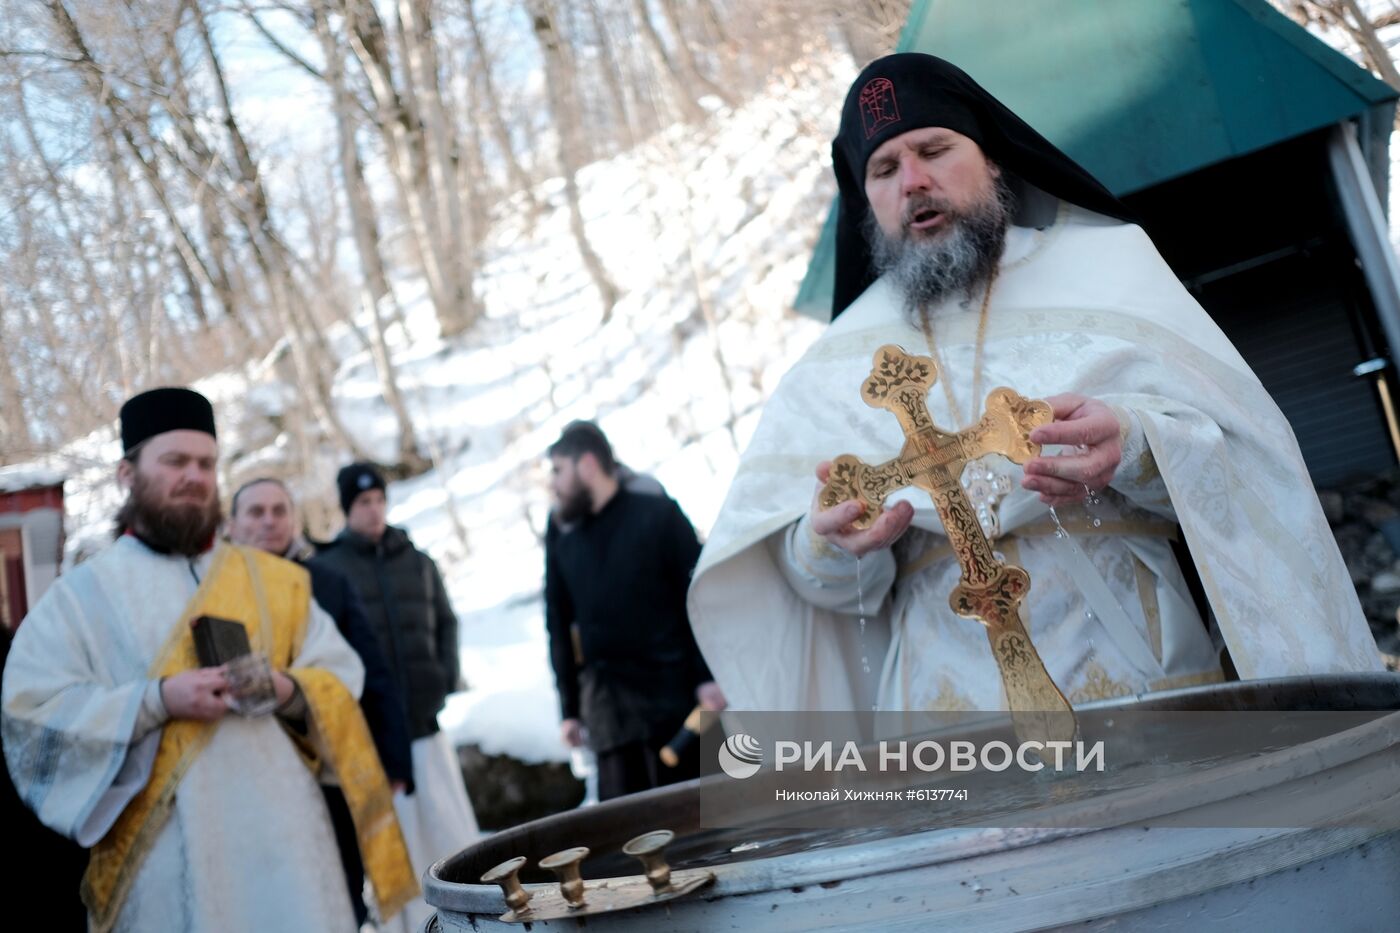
(437, 819)
(1084, 306)
(248, 844)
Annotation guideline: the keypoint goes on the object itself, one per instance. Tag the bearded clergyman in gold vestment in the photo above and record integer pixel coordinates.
(198, 819)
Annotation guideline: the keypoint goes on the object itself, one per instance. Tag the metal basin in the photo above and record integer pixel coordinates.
(1099, 861)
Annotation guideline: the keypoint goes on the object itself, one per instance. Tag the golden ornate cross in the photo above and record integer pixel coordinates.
(990, 590)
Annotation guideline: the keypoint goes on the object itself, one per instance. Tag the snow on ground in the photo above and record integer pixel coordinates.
(726, 214)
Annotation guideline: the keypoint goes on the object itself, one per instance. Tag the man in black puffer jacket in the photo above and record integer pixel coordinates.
(407, 605)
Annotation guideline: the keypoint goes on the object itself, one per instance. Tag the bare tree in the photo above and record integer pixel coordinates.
(16, 439)
(871, 27)
(377, 297)
(680, 92)
(611, 71)
(311, 355)
(488, 99)
(93, 297)
(418, 144)
(690, 67)
(152, 234)
(200, 163)
(563, 107)
(1349, 16)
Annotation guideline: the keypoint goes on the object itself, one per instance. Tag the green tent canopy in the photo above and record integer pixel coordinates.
(1142, 91)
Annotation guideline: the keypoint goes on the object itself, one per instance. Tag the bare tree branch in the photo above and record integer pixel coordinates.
(279, 45)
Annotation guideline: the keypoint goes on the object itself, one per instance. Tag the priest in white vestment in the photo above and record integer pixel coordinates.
(240, 838)
(965, 236)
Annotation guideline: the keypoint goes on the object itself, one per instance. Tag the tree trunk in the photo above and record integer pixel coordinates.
(712, 23)
(665, 69)
(310, 354)
(95, 80)
(120, 230)
(409, 161)
(220, 262)
(871, 28)
(612, 77)
(689, 65)
(495, 120)
(377, 295)
(423, 89)
(563, 107)
(472, 177)
(1365, 34)
(16, 440)
(96, 297)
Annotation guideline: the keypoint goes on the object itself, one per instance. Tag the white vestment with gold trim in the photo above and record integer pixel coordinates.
(1086, 305)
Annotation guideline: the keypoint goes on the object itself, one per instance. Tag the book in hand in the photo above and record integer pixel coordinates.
(218, 641)
(224, 643)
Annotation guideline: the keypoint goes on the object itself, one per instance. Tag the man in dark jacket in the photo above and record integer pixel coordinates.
(263, 516)
(617, 565)
(408, 608)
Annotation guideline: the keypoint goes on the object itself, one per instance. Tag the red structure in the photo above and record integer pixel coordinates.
(31, 540)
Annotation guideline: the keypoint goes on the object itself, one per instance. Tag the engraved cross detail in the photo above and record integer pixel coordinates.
(932, 459)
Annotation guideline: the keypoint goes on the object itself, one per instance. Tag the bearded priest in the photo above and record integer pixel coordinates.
(198, 818)
(966, 236)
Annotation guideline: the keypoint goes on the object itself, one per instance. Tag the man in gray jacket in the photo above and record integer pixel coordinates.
(407, 605)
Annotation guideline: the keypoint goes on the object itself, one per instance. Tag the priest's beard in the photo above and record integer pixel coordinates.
(928, 270)
(577, 503)
(183, 528)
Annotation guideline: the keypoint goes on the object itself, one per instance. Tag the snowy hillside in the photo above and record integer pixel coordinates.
(707, 232)
(729, 219)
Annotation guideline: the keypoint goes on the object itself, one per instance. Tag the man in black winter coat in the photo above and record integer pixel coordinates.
(403, 595)
(263, 516)
(408, 609)
(617, 565)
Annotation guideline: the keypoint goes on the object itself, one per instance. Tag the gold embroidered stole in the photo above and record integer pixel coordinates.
(345, 742)
(278, 592)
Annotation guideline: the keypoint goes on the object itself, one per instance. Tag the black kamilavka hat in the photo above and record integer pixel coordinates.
(160, 410)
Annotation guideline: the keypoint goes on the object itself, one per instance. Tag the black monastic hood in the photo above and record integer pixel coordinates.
(910, 91)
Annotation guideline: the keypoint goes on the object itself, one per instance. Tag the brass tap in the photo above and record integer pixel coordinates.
(506, 875)
(565, 866)
(649, 849)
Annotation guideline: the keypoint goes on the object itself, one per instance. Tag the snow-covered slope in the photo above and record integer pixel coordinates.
(707, 232)
(734, 209)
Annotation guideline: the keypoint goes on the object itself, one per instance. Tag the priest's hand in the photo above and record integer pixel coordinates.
(198, 694)
(834, 524)
(283, 686)
(1093, 432)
